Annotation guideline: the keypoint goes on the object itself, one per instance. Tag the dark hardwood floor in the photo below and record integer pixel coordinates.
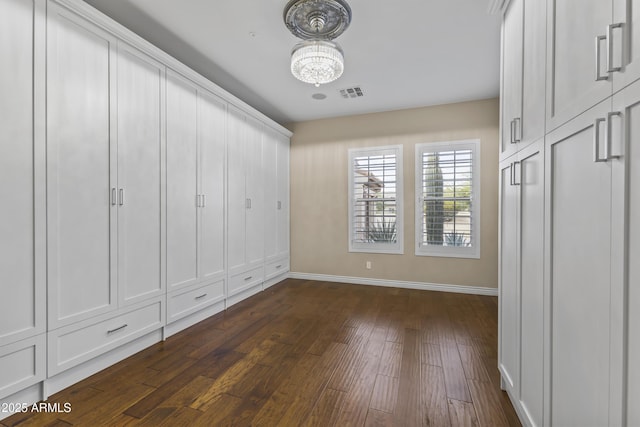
(309, 354)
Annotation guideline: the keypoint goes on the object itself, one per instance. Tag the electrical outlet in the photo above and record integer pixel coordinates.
(368, 265)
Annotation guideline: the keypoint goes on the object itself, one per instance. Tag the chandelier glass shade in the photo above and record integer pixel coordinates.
(317, 61)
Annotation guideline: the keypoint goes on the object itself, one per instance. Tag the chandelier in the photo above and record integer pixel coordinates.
(317, 59)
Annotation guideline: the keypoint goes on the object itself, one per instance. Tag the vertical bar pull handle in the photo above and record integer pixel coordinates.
(515, 182)
(204, 200)
(113, 197)
(610, 67)
(248, 204)
(511, 167)
(596, 141)
(607, 143)
(279, 205)
(511, 132)
(121, 197)
(517, 130)
(598, 59)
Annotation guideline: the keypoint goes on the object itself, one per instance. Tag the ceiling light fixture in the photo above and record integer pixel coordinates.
(317, 59)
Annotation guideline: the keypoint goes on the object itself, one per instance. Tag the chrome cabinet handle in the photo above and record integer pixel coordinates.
(113, 197)
(201, 296)
(204, 200)
(515, 174)
(610, 67)
(607, 142)
(517, 130)
(117, 329)
(279, 205)
(246, 279)
(596, 140)
(511, 132)
(598, 54)
(278, 266)
(248, 203)
(121, 197)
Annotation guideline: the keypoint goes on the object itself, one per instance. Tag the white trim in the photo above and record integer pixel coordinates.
(458, 289)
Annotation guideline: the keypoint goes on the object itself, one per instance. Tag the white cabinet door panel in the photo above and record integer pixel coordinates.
(626, 49)
(270, 195)
(81, 169)
(509, 298)
(254, 187)
(21, 313)
(211, 140)
(283, 195)
(511, 76)
(531, 280)
(182, 173)
(140, 87)
(237, 198)
(572, 87)
(580, 213)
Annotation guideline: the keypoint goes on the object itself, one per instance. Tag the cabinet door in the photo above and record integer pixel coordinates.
(572, 88)
(509, 298)
(283, 195)
(22, 312)
(531, 279)
(270, 195)
(626, 49)
(255, 188)
(211, 140)
(182, 174)
(533, 70)
(140, 100)
(81, 174)
(579, 239)
(237, 198)
(511, 77)
(628, 103)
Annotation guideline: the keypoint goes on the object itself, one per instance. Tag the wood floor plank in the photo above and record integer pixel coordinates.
(430, 354)
(391, 360)
(486, 400)
(434, 403)
(463, 414)
(327, 408)
(408, 408)
(385, 394)
(472, 364)
(454, 376)
(378, 419)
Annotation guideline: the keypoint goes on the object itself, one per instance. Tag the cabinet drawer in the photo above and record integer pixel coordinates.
(246, 280)
(78, 343)
(181, 304)
(276, 268)
(22, 364)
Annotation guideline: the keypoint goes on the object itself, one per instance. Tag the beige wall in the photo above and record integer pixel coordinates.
(319, 227)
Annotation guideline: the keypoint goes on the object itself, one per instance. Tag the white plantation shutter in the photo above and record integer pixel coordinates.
(448, 197)
(375, 200)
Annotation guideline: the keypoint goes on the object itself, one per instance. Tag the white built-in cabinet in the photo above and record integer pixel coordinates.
(22, 210)
(523, 58)
(196, 126)
(245, 204)
(276, 204)
(521, 271)
(569, 288)
(120, 171)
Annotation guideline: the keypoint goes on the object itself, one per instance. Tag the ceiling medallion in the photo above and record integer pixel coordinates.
(317, 60)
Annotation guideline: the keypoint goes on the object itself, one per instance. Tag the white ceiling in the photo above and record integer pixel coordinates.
(403, 54)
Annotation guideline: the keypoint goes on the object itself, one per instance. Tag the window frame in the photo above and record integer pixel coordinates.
(422, 249)
(377, 247)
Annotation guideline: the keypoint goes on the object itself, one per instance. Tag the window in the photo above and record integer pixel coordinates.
(448, 199)
(375, 200)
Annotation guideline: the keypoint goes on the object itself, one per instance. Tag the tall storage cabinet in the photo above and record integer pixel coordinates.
(195, 197)
(245, 205)
(104, 191)
(569, 295)
(22, 211)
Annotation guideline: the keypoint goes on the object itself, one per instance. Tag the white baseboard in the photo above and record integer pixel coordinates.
(459, 289)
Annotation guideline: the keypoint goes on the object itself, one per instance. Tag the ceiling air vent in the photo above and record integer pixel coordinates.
(352, 92)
